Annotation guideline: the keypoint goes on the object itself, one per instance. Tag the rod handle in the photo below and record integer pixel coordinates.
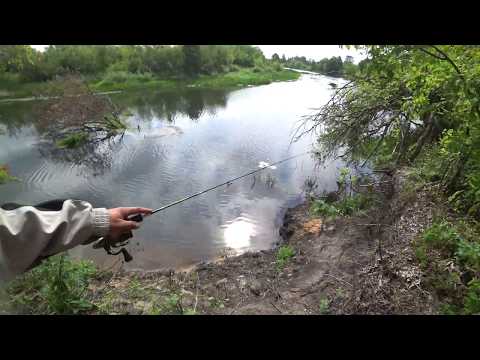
(135, 217)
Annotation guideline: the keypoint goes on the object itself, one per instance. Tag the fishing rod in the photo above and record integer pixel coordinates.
(106, 244)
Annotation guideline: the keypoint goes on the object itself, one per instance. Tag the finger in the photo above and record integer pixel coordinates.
(129, 225)
(135, 210)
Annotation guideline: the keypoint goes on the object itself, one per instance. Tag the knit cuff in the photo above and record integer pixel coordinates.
(101, 222)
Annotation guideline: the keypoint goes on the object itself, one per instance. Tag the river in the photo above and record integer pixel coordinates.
(178, 143)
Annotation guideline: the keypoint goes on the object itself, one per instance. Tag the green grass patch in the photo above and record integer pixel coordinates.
(323, 306)
(284, 254)
(243, 78)
(57, 286)
(443, 245)
(122, 80)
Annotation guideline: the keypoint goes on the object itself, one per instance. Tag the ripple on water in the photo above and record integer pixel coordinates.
(38, 175)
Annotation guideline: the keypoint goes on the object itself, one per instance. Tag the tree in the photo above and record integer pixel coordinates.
(192, 62)
(275, 57)
(404, 100)
(14, 58)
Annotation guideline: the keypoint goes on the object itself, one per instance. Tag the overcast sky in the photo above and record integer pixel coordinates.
(316, 52)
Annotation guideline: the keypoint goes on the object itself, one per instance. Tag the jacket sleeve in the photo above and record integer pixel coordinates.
(30, 233)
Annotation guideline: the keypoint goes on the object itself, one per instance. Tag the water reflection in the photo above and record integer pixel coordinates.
(168, 105)
(238, 233)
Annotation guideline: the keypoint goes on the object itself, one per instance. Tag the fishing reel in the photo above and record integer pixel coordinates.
(107, 243)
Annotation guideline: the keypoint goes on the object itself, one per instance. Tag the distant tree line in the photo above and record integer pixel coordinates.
(333, 66)
(160, 60)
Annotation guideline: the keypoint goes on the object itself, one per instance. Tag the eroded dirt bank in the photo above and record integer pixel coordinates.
(355, 265)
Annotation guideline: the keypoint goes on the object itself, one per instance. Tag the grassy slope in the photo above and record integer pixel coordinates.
(240, 78)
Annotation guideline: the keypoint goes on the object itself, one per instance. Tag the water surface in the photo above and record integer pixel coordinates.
(178, 143)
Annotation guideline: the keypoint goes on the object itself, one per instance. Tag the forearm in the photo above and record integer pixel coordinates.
(28, 233)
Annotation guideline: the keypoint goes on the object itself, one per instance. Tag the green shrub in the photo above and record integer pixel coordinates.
(472, 300)
(350, 205)
(284, 254)
(468, 254)
(322, 208)
(57, 286)
(450, 309)
(323, 306)
(353, 204)
(441, 236)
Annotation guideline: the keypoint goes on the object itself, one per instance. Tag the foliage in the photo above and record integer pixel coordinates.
(72, 141)
(404, 100)
(333, 66)
(114, 62)
(5, 175)
(454, 272)
(323, 306)
(57, 286)
(472, 300)
(192, 62)
(441, 236)
(322, 208)
(349, 202)
(284, 254)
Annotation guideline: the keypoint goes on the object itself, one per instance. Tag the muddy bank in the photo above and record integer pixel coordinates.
(354, 265)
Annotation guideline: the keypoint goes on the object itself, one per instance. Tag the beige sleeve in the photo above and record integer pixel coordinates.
(27, 233)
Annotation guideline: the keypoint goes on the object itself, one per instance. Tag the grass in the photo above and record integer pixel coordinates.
(284, 254)
(449, 254)
(323, 306)
(57, 286)
(12, 86)
(171, 305)
(118, 81)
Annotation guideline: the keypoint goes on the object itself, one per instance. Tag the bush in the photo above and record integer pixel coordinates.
(354, 204)
(441, 236)
(283, 255)
(459, 284)
(321, 208)
(348, 206)
(57, 286)
(472, 300)
(468, 254)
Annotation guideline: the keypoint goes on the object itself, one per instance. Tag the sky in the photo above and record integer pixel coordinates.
(315, 52)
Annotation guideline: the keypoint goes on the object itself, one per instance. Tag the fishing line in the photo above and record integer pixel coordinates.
(108, 244)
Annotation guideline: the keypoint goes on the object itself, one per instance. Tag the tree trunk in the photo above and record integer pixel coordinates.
(428, 121)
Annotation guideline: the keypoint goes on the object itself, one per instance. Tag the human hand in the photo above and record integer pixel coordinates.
(118, 224)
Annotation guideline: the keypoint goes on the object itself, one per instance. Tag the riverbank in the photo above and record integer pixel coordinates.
(365, 263)
(125, 81)
(362, 264)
